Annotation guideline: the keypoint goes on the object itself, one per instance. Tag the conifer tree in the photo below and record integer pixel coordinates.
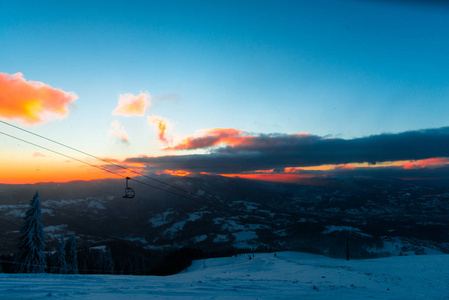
(71, 258)
(31, 257)
(60, 252)
(106, 263)
(109, 263)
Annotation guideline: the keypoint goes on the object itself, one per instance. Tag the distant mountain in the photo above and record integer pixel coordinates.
(375, 217)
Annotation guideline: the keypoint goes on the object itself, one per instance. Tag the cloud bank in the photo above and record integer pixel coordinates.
(130, 105)
(280, 151)
(32, 102)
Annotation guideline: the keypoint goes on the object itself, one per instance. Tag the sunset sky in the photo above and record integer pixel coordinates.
(276, 90)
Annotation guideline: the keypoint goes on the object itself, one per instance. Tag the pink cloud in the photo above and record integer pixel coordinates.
(426, 163)
(210, 137)
(130, 105)
(32, 102)
(119, 132)
(345, 167)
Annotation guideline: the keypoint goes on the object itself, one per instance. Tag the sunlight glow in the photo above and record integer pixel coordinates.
(181, 173)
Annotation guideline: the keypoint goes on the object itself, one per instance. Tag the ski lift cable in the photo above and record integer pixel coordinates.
(62, 154)
(98, 167)
(101, 159)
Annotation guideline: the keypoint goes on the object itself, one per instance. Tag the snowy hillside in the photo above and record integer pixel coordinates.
(288, 275)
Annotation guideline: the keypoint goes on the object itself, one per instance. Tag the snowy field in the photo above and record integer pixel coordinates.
(288, 275)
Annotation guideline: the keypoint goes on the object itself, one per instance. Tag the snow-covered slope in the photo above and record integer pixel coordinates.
(288, 275)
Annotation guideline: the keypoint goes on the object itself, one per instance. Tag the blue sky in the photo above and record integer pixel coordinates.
(342, 68)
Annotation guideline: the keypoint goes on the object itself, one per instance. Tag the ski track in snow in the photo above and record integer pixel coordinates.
(288, 275)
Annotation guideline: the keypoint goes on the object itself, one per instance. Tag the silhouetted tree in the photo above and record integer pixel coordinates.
(71, 259)
(31, 257)
(108, 262)
(60, 252)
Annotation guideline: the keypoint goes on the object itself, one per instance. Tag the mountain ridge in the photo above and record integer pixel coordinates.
(234, 213)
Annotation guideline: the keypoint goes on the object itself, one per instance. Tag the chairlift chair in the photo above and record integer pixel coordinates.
(129, 192)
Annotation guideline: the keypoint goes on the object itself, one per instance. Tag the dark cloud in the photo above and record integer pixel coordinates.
(281, 151)
(213, 163)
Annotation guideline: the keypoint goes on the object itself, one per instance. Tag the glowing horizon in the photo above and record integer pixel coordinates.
(69, 170)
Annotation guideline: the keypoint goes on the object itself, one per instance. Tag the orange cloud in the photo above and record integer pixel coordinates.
(32, 102)
(181, 173)
(161, 125)
(426, 163)
(130, 105)
(119, 132)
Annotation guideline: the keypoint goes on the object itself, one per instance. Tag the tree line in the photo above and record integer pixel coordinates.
(32, 256)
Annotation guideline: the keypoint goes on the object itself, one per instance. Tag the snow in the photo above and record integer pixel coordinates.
(93, 204)
(161, 219)
(162, 247)
(281, 232)
(54, 231)
(245, 239)
(88, 204)
(333, 228)
(195, 216)
(47, 211)
(268, 212)
(54, 228)
(246, 245)
(395, 246)
(137, 239)
(175, 228)
(230, 225)
(6, 207)
(200, 238)
(256, 226)
(63, 202)
(221, 238)
(249, 205)
(102, 248)
(218, 221)
(245, 236)
(288, 275)
(16, 213)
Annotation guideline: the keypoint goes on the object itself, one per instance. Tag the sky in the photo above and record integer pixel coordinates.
(259, 89)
